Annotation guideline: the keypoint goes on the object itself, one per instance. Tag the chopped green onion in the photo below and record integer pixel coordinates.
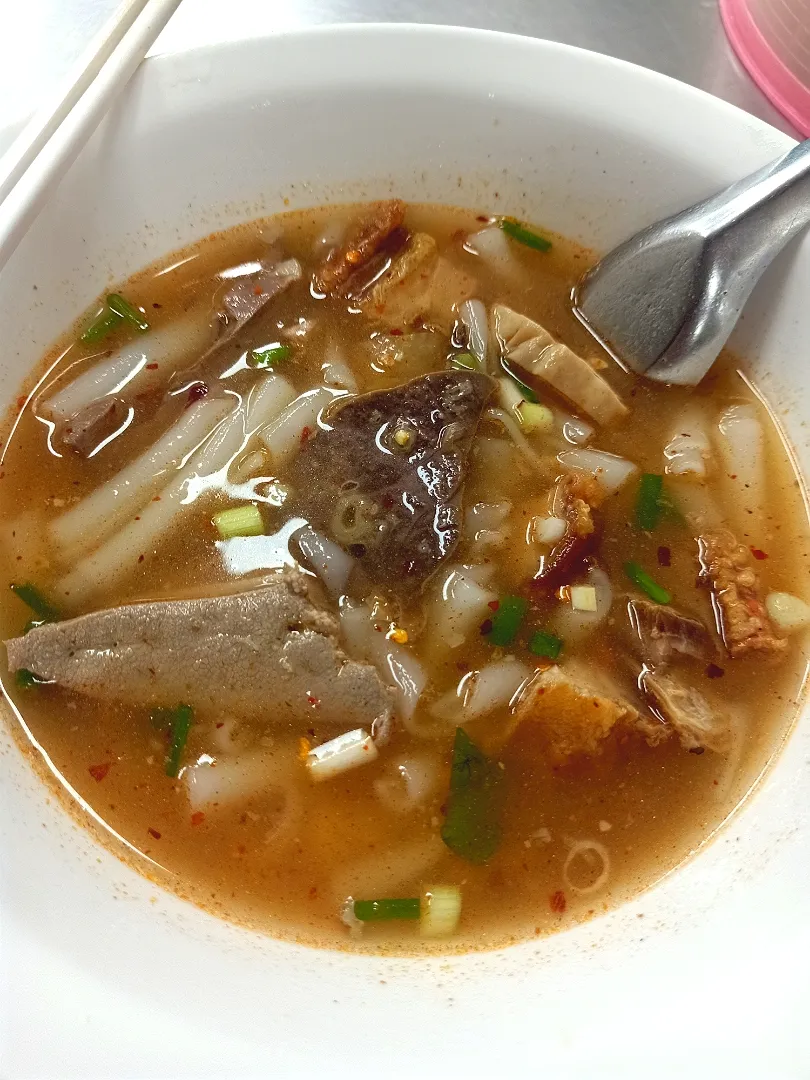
(542, 643)
(472, 826)
(127, 311)
(179, 723)
(104, 323)
(525, 390)
(464, 360)
(534, 417)
(266, 356)
(239, 521)
(641, 578)
(380, 910)
(648, 505)
(441, 911)
(519, 232)
(42, 608)
(27, 680)
(507, 620)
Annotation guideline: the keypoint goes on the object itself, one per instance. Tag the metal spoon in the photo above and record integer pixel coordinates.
(665, 301)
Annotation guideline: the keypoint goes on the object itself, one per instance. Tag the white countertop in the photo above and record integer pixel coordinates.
(682, 38)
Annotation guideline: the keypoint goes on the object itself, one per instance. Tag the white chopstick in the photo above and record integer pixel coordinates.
(51, 140)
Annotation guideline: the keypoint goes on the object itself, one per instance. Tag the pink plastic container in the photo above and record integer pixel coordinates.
(772, 39)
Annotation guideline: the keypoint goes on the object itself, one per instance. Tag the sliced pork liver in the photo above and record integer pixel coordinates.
(267, 652)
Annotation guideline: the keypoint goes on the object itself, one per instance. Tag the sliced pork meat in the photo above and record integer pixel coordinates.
(366, 239)
(661, 634)
(530, 346)
(384, 478)
(268, 652)
(576, 710)
(576, 497)
(698, 725)
(727, 568)
(86, 432)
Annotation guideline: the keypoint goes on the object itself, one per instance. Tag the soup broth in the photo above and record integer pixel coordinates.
(563, 685)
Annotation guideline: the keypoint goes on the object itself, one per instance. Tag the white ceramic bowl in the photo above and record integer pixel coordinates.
(106, 976)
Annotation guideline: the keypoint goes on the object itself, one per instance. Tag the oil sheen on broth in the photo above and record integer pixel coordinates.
(503, 642)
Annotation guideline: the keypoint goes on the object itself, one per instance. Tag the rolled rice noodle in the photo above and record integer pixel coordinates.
(473, 315)
(610, 470)
(213, 784)
(408, 782)
(335, 369)
(519, 439)
(492, 245)
(573, 428)
(480, 692)
(326, 559)
(126, 372)
(387, 873)
(741, 445)
(459, 605)
(593, 854)
(397, 665)
(688, 452)
(283, 436)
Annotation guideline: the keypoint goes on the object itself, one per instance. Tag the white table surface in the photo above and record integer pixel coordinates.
(682, 38)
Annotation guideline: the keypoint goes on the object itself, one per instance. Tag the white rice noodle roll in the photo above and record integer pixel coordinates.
(459, 605)
(572, 428)
(510, 423)
(481, 692)
(407, 783)
(388, 873)
(688, 452)
(740, 442)
(282, 437)
(482, 515)
(397, 665)
(610, 470)
(213, 785)
(125, 372)
(326, 559)
(492, 245)
(473, 315)
(335, 369)
(206, 471)
(696, 502)
(544, 529)
(572, 625)
(104, 510)
(789, 612)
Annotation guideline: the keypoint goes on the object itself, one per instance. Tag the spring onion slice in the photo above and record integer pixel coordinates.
(464, 361)
(27, 680)
(178, 721)
(239, 521)
(524, 388)
(382, 910)
(648, 504)
(104, 323)
(441, 911)
(267, 356)
(122, 307)
(641, 578)
(42, 608)
(472, 826)
(519, 232)
(542, 643)
(506, 620)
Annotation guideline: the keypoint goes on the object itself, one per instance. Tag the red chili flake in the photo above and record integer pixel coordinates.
(557, 901)
(462, 665)
(395, 332)
(221, 724)
(664, 556)
(714, 672)
(481, 217)
(20, 402)
(493, 605)
(313, 891)
(151, 367)
(195, 392)
(305, 434)
(258, 290)
(153, 832)
(758, 553)
(314, 701)
(486, 626)
(155, 304)
(197, 817)
(141, 558)
(137, 517)
(156, 498)
(98, 772)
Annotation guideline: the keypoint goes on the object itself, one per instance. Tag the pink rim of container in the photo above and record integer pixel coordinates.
(770, 74)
